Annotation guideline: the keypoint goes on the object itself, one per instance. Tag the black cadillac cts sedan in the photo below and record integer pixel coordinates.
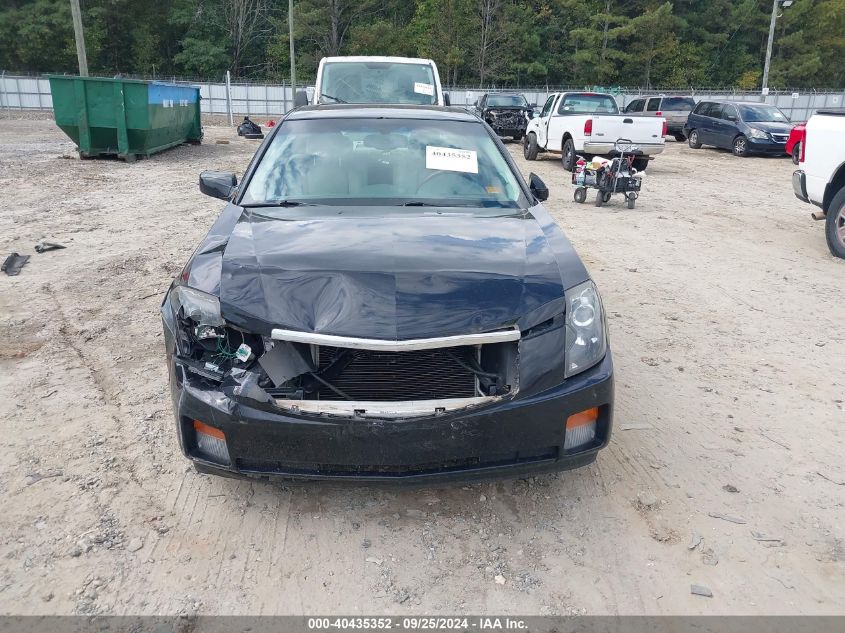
(384, 297)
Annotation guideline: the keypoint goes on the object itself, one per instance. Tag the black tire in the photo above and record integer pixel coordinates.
(640, 164)
(607, 197)
(580, 195)
(834, 226)
(740, 146)
(679, 137)
(693, 140)
(567, 156)
(796, 153)
(599, 199)
(632, 201)
(529, 146)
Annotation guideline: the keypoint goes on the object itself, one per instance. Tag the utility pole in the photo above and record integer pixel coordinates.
(775, 5)
(80, 38)
(292, 59)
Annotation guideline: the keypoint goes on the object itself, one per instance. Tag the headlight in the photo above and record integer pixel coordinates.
(755, 133)
(198, 306)
(586, 343)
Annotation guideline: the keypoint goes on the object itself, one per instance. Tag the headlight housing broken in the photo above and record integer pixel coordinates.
(586, 341)
(200, 307)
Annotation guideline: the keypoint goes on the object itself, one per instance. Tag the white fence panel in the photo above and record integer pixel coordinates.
(272, 100)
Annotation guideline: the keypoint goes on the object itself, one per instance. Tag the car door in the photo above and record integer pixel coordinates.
(653, 106)
(543, 123)
(635, 107)
(708, 131)
(726, 126)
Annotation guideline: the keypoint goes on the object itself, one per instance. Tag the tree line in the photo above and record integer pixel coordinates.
(632, 43)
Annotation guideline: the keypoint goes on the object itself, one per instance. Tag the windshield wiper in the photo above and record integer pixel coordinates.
(420, 203)
(279, 203)
(335, 99)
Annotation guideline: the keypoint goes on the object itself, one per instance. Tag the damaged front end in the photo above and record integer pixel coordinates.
(507, 121)
(317, 374)
(307, 405)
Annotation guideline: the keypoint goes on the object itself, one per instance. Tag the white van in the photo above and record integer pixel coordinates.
(376, 79)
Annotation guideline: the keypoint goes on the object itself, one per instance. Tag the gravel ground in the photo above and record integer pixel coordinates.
(725, 469)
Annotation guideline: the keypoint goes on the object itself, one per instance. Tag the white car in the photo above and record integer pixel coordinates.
(822, 179)
(376, 79)
(574, 123)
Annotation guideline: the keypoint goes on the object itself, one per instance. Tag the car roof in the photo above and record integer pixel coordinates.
(381, 111)
(728, 102)
(377, 58)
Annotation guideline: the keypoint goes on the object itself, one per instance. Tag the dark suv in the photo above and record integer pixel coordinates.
(507, 113)
(741, 126)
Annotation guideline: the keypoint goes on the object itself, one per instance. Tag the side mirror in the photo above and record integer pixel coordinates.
(300, 99)
(446, 100)
(538, 187)
(218, 184)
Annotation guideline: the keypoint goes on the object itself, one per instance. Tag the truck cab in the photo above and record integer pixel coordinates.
(589, 123)
(376, 79)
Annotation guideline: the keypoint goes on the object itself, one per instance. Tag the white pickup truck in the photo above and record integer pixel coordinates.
(822, 179)
(590, 123)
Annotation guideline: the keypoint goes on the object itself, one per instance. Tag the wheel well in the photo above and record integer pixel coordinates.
(836, 183)
(566, 137)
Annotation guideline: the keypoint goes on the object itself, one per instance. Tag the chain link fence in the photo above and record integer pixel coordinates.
(21, 92)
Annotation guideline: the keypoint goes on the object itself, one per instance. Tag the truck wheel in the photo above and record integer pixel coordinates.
(580, 194)
(679, 137)
(740, 146)
(640, 164)
(835, 225)
(693, 140)
(796, 153)
(567, 157)
(529, 146)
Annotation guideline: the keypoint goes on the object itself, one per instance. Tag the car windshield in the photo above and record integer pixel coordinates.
(377, 82)
(386, 162)
(588, 104)
(506, 100)
(761, 114)
(684, 104)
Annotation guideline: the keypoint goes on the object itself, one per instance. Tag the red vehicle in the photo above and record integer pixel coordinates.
(793, 143)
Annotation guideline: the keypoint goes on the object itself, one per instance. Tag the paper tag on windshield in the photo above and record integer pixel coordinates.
(450, 159)
(423, 89)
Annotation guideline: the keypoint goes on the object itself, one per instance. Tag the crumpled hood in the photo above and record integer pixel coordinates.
(408, 275)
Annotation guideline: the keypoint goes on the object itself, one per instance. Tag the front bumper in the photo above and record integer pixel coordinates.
(506, 438)
(760, 146)
(605, 148)
(503, 132)
(799, 185)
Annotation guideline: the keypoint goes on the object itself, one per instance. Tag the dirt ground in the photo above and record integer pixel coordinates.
(725, 469)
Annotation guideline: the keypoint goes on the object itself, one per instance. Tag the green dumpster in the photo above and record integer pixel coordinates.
(125, 117)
